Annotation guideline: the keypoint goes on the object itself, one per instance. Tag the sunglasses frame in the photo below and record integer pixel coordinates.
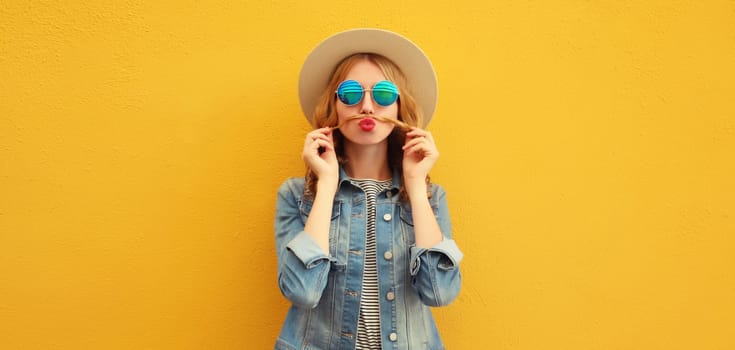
(363, 91)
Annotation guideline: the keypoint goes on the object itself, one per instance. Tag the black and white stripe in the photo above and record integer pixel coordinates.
(368, 326)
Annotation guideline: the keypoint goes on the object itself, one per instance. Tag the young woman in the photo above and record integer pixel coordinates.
(364, 240)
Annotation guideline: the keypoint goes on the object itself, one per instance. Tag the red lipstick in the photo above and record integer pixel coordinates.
(367, 124)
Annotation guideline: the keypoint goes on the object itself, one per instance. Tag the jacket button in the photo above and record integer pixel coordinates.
(388, 255)
(390, 296)
(393, 336)
(387, 217)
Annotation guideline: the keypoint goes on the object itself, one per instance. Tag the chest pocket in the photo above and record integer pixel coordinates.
(407, 215)
(305, 210)
(407, 225)
(407, 221)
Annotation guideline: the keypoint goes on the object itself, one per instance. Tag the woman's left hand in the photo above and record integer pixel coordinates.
(419, 154)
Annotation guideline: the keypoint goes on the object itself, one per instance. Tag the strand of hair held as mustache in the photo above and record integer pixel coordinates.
(398, 123)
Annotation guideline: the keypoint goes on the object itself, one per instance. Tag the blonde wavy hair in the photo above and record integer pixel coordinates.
(325, 115)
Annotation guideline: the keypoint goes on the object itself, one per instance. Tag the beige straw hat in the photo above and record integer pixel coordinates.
(323, 59)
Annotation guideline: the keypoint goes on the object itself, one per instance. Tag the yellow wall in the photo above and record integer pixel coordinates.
(587, 148)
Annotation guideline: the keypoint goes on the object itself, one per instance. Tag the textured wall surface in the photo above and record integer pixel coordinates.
(587, 148)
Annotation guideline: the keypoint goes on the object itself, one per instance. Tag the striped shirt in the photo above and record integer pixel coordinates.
(368, 325)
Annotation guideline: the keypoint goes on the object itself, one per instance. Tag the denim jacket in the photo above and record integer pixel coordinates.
(324, 290)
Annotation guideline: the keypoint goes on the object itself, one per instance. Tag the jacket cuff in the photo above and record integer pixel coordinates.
(450, 255)
(307, 250)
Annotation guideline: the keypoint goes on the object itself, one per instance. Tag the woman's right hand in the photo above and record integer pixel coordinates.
(323, 164)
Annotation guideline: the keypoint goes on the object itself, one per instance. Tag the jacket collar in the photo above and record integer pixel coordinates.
(395, 182)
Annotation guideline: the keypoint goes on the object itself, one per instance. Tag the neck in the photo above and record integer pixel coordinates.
(367, 161)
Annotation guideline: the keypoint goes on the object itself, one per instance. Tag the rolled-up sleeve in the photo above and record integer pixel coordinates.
(303, 267)
(307, 250)
(435, 270)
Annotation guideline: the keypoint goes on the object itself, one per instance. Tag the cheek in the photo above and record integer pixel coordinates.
(344, 111)
(392, 110)
(342, 114)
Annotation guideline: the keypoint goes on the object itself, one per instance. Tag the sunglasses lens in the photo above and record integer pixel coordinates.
(385, 93)
(350, 92)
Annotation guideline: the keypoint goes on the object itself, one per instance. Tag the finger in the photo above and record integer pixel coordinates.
(313, 148)
(317, 132)
(415, 132)
(430, 137)
(421, 139)
(414, 137)
(422, 134)
(320, 137)
(311, 138)
(326, 131)
(426, 148)
(413, 142)
(323, 130)
(321, 143)
(317, 151)
(328, 146)
(417, 149)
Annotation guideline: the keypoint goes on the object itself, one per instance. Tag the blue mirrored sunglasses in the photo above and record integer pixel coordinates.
(350, 92)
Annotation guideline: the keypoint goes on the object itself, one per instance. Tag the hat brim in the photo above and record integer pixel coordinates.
(412, 61)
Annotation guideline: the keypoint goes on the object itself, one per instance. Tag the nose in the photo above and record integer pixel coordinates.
(367, 105)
